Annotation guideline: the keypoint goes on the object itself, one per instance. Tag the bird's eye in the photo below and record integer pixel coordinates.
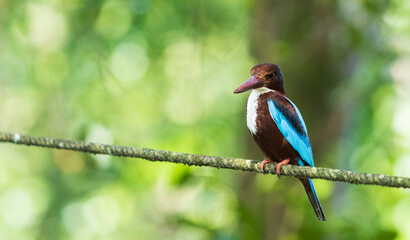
(270, 75)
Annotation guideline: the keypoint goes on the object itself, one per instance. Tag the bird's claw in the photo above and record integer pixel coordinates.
(278, 171)
(262, 165)
(277, 167)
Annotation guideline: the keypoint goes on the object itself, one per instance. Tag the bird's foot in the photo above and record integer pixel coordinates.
(284, 162)
(262, 164)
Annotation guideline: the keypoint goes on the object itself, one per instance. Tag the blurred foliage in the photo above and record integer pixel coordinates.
(160, 74)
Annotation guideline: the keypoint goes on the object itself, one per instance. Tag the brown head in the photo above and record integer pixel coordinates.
(263, 75)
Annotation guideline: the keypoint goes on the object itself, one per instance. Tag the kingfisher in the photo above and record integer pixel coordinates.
(277, 126)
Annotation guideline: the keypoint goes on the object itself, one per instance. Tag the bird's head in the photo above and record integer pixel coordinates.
(263, 75)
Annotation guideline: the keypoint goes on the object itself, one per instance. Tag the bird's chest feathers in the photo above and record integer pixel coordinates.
(253, 107)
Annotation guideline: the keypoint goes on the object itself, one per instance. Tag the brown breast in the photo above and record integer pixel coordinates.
(268, 137)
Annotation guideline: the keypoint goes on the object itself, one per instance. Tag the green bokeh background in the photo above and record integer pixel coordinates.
(160, 74)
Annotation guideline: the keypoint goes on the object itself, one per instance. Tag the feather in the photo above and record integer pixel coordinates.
(293, 128)
(314, 200)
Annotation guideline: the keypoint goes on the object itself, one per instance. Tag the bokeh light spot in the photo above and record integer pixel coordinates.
(47, 26)
(102, 214)
(114, 19)
(73, 219)
(68, 161)
(401, 120)
(17, 207)
(402, 166)
(129, 62)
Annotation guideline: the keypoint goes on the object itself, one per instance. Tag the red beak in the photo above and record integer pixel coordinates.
(252, 83)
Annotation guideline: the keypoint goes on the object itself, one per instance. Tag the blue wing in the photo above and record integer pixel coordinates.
(293, 128)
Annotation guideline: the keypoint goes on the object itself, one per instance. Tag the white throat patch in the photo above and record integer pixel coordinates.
(252, 106)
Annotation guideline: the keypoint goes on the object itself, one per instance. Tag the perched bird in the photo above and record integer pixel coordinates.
(277, 126)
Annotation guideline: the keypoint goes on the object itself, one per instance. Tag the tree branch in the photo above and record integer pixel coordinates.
(209, 161)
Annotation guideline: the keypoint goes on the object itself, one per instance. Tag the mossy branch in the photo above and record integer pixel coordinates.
(209, 161)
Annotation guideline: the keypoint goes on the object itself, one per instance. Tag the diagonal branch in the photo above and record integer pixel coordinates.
(209, 161)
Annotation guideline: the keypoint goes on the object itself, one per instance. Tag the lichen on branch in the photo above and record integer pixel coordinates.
(209, 161)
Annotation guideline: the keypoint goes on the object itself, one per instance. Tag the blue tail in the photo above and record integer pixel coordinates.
(314, 200)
